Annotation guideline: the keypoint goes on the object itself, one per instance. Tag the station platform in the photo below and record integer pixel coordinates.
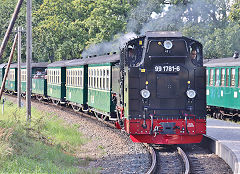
(223, 138)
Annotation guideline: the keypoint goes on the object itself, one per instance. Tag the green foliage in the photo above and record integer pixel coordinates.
(44, 147)
(235, 12)
(65, 28)
(106, 19)
(62, 29)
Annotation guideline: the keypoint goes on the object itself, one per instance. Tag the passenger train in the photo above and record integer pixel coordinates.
(154, 88)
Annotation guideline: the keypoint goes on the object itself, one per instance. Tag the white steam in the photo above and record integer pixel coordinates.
(152, 16)
(107, 47)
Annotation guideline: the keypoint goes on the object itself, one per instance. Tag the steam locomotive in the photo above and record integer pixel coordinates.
(154, 89)
(162, 96)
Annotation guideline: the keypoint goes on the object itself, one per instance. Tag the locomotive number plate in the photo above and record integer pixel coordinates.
(167, 68)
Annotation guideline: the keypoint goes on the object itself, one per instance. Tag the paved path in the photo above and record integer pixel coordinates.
(228, 134)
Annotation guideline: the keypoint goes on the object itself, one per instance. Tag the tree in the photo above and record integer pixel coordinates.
(235, 12)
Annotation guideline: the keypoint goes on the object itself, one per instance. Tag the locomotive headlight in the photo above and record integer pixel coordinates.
(191, 93)
(167, 44)
(145, 93)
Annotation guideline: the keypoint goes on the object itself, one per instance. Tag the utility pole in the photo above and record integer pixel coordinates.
(19, 32)
(29, 58)
(10, 27)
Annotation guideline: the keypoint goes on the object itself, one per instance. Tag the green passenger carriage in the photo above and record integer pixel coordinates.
(223, 87)
(11, 82)
(56, 81)
(100, 98)
(39, 88)
(76, 84)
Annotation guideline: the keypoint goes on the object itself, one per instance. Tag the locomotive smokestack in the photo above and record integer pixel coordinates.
(236, 55)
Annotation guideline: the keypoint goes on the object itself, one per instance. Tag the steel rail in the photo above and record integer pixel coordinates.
(185, 160)
(154, 159)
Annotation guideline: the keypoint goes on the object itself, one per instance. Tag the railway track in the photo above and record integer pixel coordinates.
(169, 159)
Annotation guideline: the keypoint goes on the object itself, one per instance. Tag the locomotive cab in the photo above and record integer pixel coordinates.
(163, 89)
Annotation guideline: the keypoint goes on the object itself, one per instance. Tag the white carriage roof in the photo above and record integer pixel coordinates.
(222, 62)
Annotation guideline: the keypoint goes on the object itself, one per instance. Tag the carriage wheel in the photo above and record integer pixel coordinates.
(55, 102)
(11, 92)
(214, 115)
(76, 108)
(23, 95)
(39, 98)
(222, 116)
(103, 117)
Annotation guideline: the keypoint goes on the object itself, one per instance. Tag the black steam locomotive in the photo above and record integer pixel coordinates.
(159, 88)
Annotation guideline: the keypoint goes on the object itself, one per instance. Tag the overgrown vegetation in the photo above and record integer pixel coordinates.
(47, 146)
(63, 29)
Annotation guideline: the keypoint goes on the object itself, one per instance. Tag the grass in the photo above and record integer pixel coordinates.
(47, 145)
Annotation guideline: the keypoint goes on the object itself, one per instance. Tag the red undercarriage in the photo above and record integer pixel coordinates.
(182, 135)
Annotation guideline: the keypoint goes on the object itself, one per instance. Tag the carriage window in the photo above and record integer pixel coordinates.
(81, 78)
(217, 80)
(232, 77)
(56, 76)
(23, 75)
(97, 78)
(58, 80)
(75, 78)
(107, 82)
(51, 73)
(211, 77)
(89, 77)
(100, 84)
(227, 77)
(69, 77)
(104, 78)
(49, 76)
(222, 77)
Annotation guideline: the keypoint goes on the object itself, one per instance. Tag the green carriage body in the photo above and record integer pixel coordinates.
(2, 72)
(11, 81)
(39, 86)
(100, 84)
(76, 82)
(56, 80)
(39, 83)
(223, 83)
